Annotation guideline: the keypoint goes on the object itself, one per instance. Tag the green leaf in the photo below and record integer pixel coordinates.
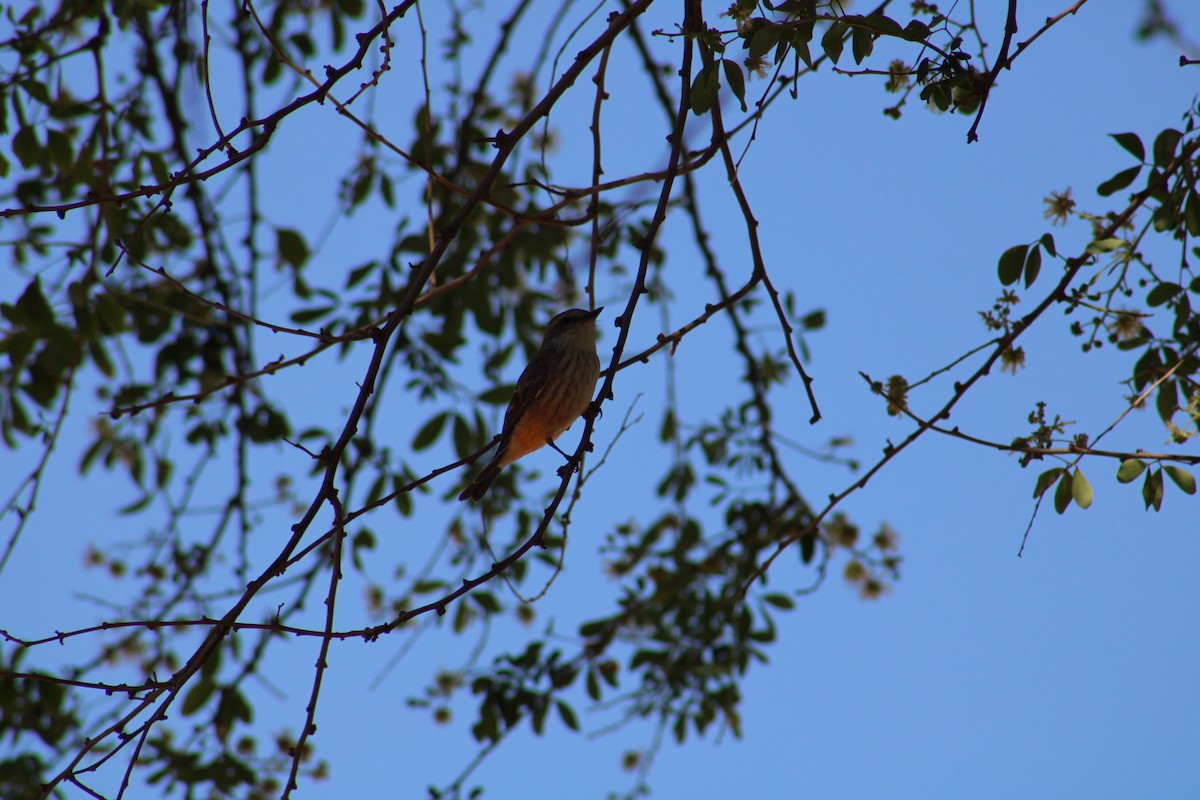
(1105, 246)
(701, 95)
(1081, 490)
(487, 601)
(833, 41)
(26, 147)
(1132, 143)
(306, 315)
(1164, 146)
(567, 715)
(59, 146)
(33, 311)
(498, 395)
(462, 437)
(736, 80)
(808, 548)
(430, 431)
(197, 696)
(403, 498)
(1012, 262)
(1033, 265)
(1046, 480)
(765, 39)
(1062, 495)
(1152, 489)
(292, 247)
(1166, 400)
(1119, 181)
(355, 276)
(1182, 478)
(1162, 293)
(1129, 470)
(1191, 213)
(667, 429)
(779, 600)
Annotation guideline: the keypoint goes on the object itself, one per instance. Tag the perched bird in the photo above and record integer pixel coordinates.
(551, 393)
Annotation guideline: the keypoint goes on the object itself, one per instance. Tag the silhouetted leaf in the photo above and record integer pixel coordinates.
(1132, 143)
(1012, 262)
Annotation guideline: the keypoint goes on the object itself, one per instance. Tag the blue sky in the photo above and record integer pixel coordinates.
(1067, 672)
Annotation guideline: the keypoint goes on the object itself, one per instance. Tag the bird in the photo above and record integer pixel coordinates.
(553, 391)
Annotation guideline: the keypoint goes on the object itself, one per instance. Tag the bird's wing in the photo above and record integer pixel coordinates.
(532, 383)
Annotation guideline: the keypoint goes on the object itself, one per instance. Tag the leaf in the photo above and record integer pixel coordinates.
(1081, 490)
(1166, 400)
(832, 42)
(736, 80)
(1119, 181)
(1033, 265)
(1191, 213)
(498, 395)
(354, 276)
(292, 247)
(1164, 146)
(765, 39)
(1129, 470)
(916, 31)
(567, 715)
(59, 146)
(26, 147)
(430, 431)
(462, 437)
(1132, 143)
(486, 601)
(667, 429)
(1012, 262)
(1045, 481)
(1152, 489)
(884, 25)
(1162, 293)
(1047, 242)
(701, 95)
(306, 315)
(808, 548)
(779, 600)
(801, 46)
(403, 498)
(862, 43)
(35, 313)
(1062, 495)
(1182, 478)
(197, 696)
(1105, 246)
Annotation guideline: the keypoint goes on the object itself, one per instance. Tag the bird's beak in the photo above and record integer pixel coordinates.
(595, 313)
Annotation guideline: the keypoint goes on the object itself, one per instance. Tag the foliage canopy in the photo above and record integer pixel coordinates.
(160, 274)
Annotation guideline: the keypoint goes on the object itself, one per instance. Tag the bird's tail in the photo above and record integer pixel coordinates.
(479, 485)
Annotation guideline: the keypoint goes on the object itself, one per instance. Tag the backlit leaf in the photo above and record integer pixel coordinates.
(1081, 490)
(1182, 478)
(1130, 469)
